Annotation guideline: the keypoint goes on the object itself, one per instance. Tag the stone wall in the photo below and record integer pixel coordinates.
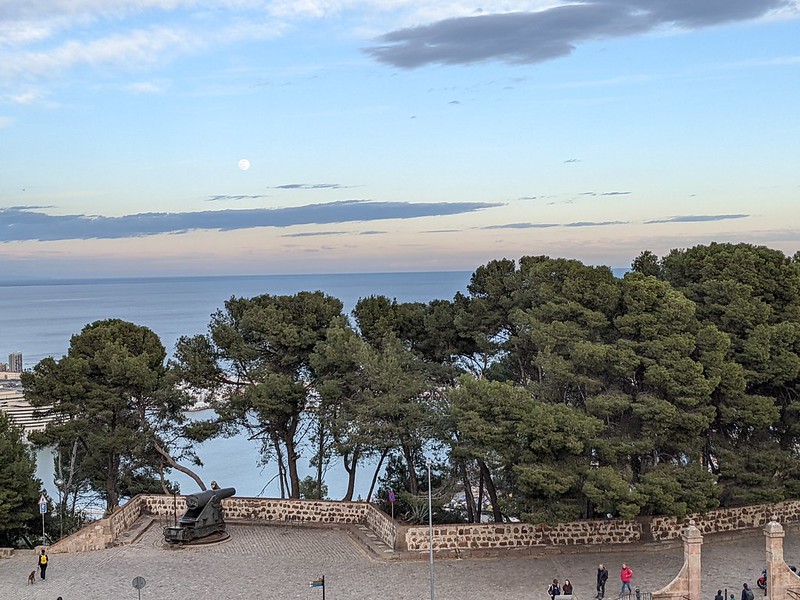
(523, 535)
(381, 525)
(486, 536)
(723, 520)
(6, 552)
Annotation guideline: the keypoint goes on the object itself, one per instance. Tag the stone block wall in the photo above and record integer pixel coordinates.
(381, 525)
(6, 552)
(522, 535)
(94, 536)
(723, 520)
(485, 536)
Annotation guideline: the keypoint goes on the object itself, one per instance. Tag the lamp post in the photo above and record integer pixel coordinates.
(430, 528)
(60, 485)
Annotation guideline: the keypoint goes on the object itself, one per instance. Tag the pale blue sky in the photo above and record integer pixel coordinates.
(387, 135)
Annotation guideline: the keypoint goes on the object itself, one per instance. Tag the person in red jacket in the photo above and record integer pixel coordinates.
(625, 575)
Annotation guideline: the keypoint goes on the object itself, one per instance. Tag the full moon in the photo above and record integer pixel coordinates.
(244, 164)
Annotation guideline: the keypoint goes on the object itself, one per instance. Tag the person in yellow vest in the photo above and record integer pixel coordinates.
(42, 563)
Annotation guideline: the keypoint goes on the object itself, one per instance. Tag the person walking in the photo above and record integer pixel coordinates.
(625, 575)
(553, 590)
(719, 595)
(747, 593)
(566, 589)
(602, 577)
(42, 563)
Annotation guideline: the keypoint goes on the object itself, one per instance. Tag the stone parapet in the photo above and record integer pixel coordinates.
(723, 520)
(6, 552)
(522, 535)
(446, 538)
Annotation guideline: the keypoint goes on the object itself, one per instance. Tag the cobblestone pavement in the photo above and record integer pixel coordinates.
(277, 562)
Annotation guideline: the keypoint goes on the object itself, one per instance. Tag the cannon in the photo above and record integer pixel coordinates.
(203, 517)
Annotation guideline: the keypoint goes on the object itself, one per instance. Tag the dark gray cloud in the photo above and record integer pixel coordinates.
(531, 37)
(222, 197)
(522, 226)
(572, 160)
(697, 218)
(313, 234)
(312, 186)
(20, 223)
(372, 232)
(594, 223)
(614, 193)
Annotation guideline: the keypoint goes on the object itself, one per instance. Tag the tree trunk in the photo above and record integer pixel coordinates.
(174, 464)
(496, 513)
(469, 499)
(291, 462)
(384, 454)
(320, 454)
(479, 505)
(413, 483)
(350, 466)
(112, 498)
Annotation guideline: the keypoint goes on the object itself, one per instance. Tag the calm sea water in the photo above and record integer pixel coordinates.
(38, 319)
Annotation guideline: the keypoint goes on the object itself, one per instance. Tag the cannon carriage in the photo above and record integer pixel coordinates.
(203, 517)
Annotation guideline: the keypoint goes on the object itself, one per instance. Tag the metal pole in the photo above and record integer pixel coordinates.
(44, 542)
(323, 587)
(430, 529)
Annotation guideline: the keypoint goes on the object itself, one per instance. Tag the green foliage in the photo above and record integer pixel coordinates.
(310, 490)
(259, 351)
(19, 487)
(113, 395)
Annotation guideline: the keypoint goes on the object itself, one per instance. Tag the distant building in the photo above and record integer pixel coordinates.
(15, 362)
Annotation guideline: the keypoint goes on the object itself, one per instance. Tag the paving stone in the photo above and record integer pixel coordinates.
(278, 562)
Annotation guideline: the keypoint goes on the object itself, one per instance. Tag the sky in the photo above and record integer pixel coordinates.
(203, 137)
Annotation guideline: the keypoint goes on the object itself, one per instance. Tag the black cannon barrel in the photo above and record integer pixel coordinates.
(200, 499)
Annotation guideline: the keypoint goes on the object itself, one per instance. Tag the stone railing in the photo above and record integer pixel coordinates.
(6, 552)
(724, 520)
(106, 532)
(522, 535)
(453, 538)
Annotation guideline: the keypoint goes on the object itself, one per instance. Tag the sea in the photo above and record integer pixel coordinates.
(38, 319)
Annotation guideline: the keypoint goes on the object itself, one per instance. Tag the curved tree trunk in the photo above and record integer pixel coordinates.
(174, 464)
(350, 466)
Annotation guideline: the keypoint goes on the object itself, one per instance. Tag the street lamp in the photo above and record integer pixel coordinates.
(430, 527)
(60, 485)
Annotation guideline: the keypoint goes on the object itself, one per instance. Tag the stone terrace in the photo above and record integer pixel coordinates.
(274, 561)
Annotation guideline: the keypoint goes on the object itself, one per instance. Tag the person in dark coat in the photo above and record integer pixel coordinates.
(602, 577)
(719, 595)
(553, 590)
(747, 593)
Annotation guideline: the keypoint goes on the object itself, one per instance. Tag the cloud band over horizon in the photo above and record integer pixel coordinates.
(21, 223)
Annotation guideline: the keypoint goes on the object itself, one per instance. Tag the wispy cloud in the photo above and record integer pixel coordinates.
(224, 197)
(312, 186)
(21, 223)
(312, 234)
(522, 226)
(5, 122)
(531, 37)
(697, 218)
(594, 223)
(572, 160)
(144, 87)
